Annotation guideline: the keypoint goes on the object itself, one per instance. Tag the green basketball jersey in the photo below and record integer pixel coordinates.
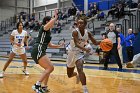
(44, 37)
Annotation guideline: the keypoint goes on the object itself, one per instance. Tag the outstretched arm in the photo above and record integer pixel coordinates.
(51, 45)
(50, 24)
(93, 39)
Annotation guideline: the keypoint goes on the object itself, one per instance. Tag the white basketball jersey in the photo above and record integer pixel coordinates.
(19, 37)
(83, 40)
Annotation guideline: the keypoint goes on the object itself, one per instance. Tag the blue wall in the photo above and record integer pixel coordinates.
(79, 4)
(137, 44)
(103, 5)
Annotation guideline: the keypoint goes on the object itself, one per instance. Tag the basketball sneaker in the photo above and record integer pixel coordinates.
(25, 72)
(85, 90)
(38, 88)
(45, 89)
(129, 65)
(2, 74)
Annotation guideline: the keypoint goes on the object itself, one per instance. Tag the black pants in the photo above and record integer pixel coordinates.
(129, 51)
(111, 12)
(114, 52)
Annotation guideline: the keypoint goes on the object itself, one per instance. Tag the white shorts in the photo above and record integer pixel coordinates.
(72, 58)
(18, 51)
(74, 55)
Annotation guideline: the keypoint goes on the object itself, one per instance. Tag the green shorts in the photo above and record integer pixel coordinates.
(37, 52)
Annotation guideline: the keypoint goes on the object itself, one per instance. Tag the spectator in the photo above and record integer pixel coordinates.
(101, 15)
(119, 11)
(112, 11)
(31, 24)
(89, 15)
(69, 12)
(95, 9)
(129, 39)
(91, 6)
(37, 26)
(58, 27)
(74, 11)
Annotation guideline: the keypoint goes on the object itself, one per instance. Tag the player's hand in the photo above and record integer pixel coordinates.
(56, 13)
(88, 50)
(62, 44)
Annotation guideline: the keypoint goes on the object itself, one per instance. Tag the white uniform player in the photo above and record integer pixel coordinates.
(135, 62)
(78, 46)
(75, 53)
(19, 38)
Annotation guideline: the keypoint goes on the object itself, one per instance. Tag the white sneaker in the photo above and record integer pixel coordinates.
(1, 74)
(85, 90)
(77, 79)
(25, 72)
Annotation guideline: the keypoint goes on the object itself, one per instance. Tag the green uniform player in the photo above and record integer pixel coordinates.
(39, 53)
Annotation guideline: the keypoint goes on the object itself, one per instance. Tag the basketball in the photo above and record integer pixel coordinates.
(106, 45)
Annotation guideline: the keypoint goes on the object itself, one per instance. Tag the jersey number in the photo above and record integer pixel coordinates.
(19, 40)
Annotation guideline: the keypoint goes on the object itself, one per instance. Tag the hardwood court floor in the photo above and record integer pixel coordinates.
(98, 81)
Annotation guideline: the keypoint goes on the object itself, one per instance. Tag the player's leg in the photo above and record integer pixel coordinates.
(11, 56)
(70, 72)
(24, 59)
(79, 65)
(45, 63)
(114, 51)
(71, 64)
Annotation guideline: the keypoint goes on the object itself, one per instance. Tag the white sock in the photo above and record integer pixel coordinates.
(84, 87)
(38, 83)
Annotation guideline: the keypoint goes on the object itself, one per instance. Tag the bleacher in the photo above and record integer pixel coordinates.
(94, 26)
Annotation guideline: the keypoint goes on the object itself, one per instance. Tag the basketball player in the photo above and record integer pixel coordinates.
(39, 52)
(18, 38)
(135, 62)
(80, 37)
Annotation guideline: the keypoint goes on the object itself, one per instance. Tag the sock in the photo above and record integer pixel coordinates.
(84, 87)
(38, 83)
(45, 86)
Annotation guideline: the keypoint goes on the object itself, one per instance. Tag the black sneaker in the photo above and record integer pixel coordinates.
(45, 89)
(38, 88)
